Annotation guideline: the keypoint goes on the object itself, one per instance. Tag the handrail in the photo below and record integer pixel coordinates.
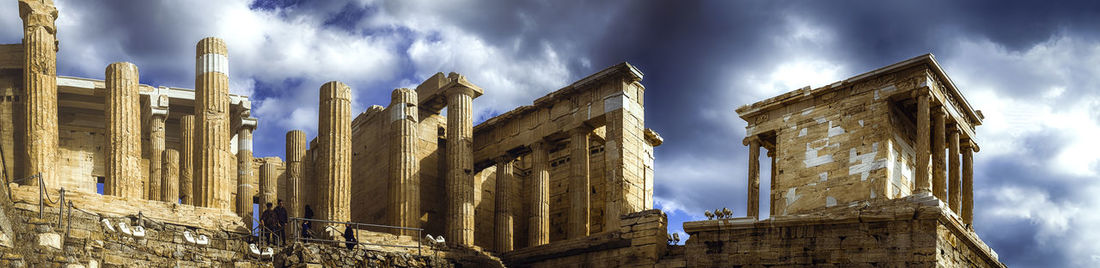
(298, 223)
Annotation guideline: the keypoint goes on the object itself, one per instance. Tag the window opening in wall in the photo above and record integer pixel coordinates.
(99, 184)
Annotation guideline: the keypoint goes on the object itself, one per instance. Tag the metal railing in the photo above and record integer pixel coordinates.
(296, 232)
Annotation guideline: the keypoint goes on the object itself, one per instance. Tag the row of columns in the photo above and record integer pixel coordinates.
(952, 180)
(579, 224)
(198, 173)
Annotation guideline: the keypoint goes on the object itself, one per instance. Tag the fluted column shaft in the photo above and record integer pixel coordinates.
(123, 131)
(753, 203)
(953, 180)
(269, 183)
(334, 145)
(579, 183)
(212, 153)
(170, 180)
(505, 181)
(922, 182)
(540, 203)
(404, 161)
(187, 159)
(968, 185)
(39, 91)
(156, 155)
(295, 152)
(245, 176)
(460, 166)
(939, 171)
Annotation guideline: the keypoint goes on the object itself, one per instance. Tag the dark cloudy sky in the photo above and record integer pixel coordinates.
(1033, 68)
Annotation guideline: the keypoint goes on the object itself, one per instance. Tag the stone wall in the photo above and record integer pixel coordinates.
(299, 254)
(915, 231)
(81, 239)
(640, 241)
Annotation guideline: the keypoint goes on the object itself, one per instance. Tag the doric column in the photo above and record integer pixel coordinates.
(269, 183)
(540, 203)
(187, 159)
(295, 152)
(922, 182)
(579, 182)
(504, 224)
(40, 91)
(156, 139)
(939, 171)
(404, 161)
(968, 184)
(954, 195)
(460, 166)
(334, 156)
(123, 136)
(212, 124)
(753, 202)
(245, 189)
(170, 180)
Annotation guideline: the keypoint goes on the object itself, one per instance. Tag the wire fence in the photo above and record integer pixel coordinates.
(302, 228)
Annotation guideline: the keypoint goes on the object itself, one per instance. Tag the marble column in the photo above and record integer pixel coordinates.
(187, 159)
(170, 180)
(953, 180)
(968, 184)
(505, 181)
(269, 182)
(39, 91)
(334, 155)
(460, 175)
(922, 182)
(123, 131)
(753, 202)
(939, 171)
(404, 161)
(245, 176)
(156, 139)
(295, 152)
(579, 183)
(540, 204)
(212, 152)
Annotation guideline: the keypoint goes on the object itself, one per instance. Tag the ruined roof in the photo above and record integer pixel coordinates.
(747, 111)
(624, 69)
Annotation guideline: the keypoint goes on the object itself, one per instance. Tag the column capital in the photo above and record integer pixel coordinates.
(581, 129)
(503, 159)
(249, 123)
(459, 85)
(969, 145)
(751, 140)
(38, 13)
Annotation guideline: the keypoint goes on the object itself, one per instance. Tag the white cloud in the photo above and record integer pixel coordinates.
(1048, 88)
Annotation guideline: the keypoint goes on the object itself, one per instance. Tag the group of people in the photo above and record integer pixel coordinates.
(274, 221)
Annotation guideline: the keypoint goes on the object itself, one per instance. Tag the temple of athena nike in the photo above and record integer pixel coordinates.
(875, 170)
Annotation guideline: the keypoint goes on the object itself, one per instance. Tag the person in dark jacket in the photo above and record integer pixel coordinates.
(349, 236)
(280, 222)
(268, 221)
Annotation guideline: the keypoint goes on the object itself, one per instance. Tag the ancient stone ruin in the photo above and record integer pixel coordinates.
(860, 175)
